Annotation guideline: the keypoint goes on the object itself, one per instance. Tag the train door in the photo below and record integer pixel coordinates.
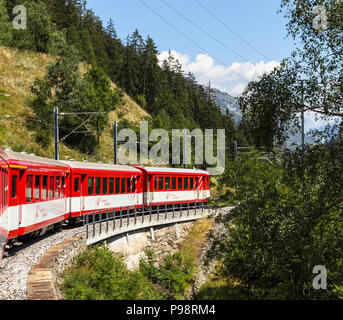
(77, 195)
(16, 179)
(3, 206)
(197, 187)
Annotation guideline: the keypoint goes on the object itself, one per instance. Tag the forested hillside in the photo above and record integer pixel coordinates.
(71, 32)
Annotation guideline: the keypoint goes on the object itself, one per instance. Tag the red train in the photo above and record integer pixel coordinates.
(36, 193)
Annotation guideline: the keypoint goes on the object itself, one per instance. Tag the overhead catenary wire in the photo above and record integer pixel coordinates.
(232, 30)
(204, 31)
(191, 40)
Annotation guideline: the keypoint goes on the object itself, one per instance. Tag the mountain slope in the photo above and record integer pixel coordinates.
(18, 71)
(225, 101)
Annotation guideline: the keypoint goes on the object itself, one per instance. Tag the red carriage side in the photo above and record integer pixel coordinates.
(37, 197)
(97, 186)
(3, 201)
(168, 185)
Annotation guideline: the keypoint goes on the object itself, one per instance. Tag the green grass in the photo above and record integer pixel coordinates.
(97, 274)
(217, 287)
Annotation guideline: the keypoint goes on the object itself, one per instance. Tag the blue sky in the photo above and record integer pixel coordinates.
(257, 21)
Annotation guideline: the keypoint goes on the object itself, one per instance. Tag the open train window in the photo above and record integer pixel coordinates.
(128, 182)
(45, 188)
(51, 187)
(185, 183)
(104, 185)
(57, 188)
(76, 184)
(14, 186)
(117, 185)
(160, 183)
(28, 190)
(167, 179)
(134, 184)
(63, 185)
(173, 183)
(110, 185)
(179, 183)
(37, 187)
(97, 185)
(90, 186)
(191, 184)
(122, 185)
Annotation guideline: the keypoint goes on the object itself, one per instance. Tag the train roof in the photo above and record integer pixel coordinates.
(159, 170)
(99, 166)
(21, 158)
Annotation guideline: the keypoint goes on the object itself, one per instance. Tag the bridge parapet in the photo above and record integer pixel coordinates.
(109, 223)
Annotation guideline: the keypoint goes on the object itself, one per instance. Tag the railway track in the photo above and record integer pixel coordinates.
(21, 257)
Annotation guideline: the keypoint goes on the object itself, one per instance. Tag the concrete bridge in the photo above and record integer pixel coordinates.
(110, 223)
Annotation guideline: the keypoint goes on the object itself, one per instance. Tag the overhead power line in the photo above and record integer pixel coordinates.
(191, 40)
(232, 30)
(204, 31)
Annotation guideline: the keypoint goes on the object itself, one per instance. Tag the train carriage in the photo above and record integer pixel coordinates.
(36, 193)
(37, 196)
(97, 186)
(3, 201)
(168, 185)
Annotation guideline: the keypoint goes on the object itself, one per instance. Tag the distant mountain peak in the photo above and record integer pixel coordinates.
(225, 101)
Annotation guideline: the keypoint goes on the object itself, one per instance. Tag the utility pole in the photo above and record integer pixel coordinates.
(115, 142)
(302, 117)
(56, 133)
(235, 149)
(56, 129)
(184, 148)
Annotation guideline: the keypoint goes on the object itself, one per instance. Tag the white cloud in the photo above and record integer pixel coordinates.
(233, 78)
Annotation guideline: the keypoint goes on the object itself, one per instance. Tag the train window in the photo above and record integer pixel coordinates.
(122, 185)
(110, 186)
(160, 183)
(128, 185)
(63, 186)
(45, 188)
(14, 186)
(196, 183)
(117, 185)
(57, 188)
(90, 185)
(76, 184)
(104, 185)
(185, 183)
(167, 179)
(28, 190)
(37, 187)
(155, 183)
(179, 183)
(133, 184)
(191, 183)
(97, 185)
(173, 183)
(51, 187)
